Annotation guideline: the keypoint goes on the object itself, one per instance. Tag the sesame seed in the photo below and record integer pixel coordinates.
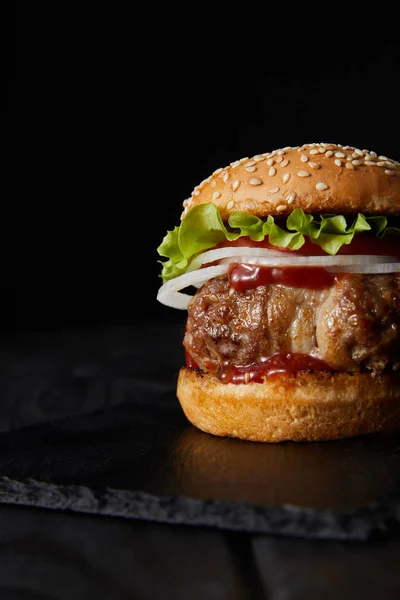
(382, 157)
(213, 183)
(358, 152)
(235, 185)
(314, 151)
(255, 181)
(290, 197)
(280, 152)
(230, 204)
(338, 162)
(389, 172)
(216, 195)
(286, 177)
(250, 163)
(349, 166)
(218, 171)
(251, 169)
(279, 159)
(243, 160)
(196, 193)
(274, 190)
(272, 171)
(314, 165)
(340, 155)
(381, 163)
(258, 158)
(225, 177)
(270, 162)
(321, 186)
(303, 174)
(356, 163)
(235, 164)
(285, 163)
(322, 150)
(304, 158)
(369, 163)
(281, 207)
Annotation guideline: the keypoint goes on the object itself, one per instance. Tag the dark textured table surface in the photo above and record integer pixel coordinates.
(108, 492)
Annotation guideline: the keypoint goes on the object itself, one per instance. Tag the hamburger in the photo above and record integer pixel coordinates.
(288, 265)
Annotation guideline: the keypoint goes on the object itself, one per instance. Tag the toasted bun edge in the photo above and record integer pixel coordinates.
(301, 407)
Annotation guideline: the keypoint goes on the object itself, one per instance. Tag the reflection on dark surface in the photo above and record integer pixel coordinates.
(336, 475)
(153, 448)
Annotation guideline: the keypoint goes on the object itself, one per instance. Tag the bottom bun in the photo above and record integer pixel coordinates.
(305, 406)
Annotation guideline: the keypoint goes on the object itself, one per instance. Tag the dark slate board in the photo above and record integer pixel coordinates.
(146, 462)
(90, 423)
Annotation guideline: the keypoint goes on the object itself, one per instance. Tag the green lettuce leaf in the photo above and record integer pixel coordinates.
(203, 228)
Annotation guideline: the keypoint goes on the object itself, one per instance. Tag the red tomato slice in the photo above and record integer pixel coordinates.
(361, 244)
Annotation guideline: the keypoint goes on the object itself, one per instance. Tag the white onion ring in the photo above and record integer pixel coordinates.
(377, 269)
(229, 251)
(170, 294)
(273, 258)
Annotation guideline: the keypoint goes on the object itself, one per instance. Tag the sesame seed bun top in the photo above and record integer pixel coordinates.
(319, 178)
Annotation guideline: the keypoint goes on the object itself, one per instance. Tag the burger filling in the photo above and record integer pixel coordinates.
(316, 293)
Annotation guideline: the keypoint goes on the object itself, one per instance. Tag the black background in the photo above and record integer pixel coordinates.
(109, 117)
(114, 118)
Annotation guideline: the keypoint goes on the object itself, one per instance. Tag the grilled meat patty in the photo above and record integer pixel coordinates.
(352, 326)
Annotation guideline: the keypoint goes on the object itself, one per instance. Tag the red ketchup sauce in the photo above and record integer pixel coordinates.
(269, 367)
(275, 364)
(244, 277)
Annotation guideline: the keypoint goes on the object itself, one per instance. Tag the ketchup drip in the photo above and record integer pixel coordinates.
(190, 362)
(244, 277)
(277, 363)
